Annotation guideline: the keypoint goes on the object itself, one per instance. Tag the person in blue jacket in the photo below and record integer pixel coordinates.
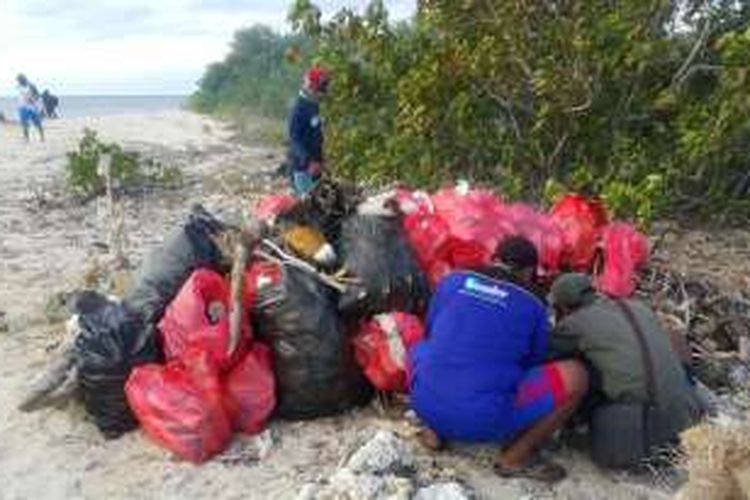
(305, 155)
(479, 375)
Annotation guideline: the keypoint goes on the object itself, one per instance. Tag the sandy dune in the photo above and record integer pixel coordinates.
(44, 247)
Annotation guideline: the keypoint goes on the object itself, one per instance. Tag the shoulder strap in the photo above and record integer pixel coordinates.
(648, 362)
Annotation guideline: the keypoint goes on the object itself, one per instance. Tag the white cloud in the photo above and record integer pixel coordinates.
(130, 46)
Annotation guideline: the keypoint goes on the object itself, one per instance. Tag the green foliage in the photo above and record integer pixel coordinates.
(126, 168)
(645, 103)
(259, 76)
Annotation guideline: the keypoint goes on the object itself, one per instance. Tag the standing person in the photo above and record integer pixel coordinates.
(50, 103)
(479, 374)
(305, 156)
(28, 107)
(641, 396)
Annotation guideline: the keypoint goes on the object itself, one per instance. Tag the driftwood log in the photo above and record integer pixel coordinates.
(246, 240)
(59, 381)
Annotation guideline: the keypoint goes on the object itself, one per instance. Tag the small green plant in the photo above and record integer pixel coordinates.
(127, 168)
(640, 201)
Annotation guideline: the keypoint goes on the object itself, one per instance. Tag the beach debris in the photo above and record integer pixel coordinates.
(57, 383)
(346, 484)
(382, 469)
(384, 454)
(443, 491)
(716, 324)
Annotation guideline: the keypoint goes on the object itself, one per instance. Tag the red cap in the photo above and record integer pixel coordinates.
(317, 78)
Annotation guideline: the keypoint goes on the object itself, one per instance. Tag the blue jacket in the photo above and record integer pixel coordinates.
(482, 335)
(305, 133)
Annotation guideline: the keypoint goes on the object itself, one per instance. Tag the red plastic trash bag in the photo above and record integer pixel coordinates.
(381, 348)
(459, 254)
(199, 317)
(580, 220)
(427, 234)
(271, 206)
(250, 390)
(624, 251)
(474, 216)
(452, 229)
(179, 406)
(259, 274)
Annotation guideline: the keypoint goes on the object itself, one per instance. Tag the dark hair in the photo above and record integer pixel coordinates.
(517, 253)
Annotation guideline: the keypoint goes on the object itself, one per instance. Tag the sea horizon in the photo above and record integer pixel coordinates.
(83, 105)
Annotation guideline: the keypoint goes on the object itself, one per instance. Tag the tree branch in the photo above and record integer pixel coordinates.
(680, 76)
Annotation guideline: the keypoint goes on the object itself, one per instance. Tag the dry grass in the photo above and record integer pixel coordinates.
(717, 458)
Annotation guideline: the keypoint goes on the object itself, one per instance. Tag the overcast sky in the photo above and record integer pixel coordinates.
(131, 46)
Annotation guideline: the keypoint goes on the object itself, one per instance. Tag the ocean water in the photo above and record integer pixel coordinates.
(97, 105)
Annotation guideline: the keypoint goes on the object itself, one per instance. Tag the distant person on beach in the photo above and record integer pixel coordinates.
(50, 103)
(28, 107)
(305, 156)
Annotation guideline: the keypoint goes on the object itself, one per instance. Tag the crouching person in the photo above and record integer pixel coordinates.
(478, 375)
(641, 398)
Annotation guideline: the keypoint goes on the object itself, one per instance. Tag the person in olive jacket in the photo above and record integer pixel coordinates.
(631, 359)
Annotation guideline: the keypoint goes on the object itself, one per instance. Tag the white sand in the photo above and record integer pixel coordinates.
(57, 453)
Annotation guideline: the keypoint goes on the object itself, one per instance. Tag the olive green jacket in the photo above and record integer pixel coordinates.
(601, 333)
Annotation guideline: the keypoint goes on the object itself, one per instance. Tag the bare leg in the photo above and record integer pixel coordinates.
(39, 128)
(430, 440)
(522, 448)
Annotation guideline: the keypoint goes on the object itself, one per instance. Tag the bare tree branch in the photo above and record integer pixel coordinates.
(679, 77)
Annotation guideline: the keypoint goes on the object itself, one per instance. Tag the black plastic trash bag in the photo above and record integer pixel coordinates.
(166, 269)
(109, 344)
(376, 252)
(316, 374)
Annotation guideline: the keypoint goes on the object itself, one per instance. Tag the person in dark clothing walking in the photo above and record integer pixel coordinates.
(50, 103)
(305, 155)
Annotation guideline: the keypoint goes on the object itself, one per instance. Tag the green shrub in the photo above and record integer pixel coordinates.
(127, 168)
(260, 76)
(516, 94)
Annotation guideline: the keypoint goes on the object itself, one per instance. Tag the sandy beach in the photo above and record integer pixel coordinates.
(45, 247)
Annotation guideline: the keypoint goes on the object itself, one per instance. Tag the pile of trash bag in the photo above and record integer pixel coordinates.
(224, 388)
(459, 228)
(332, 299)
(115, 337)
